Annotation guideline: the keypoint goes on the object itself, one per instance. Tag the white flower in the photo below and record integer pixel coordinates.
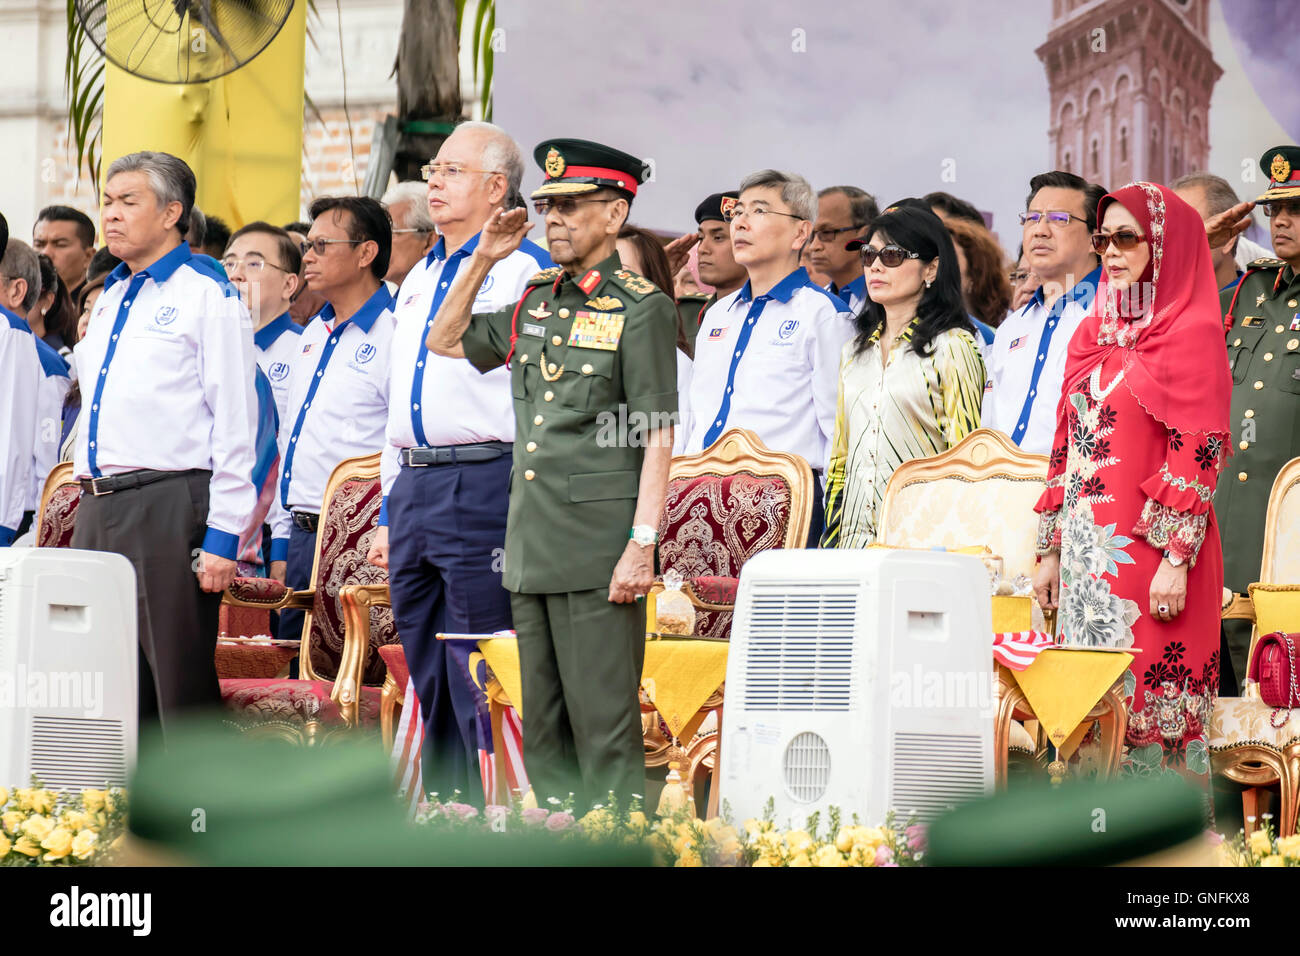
(1093, 615)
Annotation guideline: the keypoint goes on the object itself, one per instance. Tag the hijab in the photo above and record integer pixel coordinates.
(1167, 327)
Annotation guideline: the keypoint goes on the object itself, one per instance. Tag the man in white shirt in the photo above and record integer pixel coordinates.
(338, 391)
(20, 376)
(165, 449)
(843, 214)
(1026, 362)
(767, 357)
(447, 460)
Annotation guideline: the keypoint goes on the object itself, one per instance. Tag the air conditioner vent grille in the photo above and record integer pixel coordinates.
(807, 767)
(799, 654)
(74, 753)
(935, 772)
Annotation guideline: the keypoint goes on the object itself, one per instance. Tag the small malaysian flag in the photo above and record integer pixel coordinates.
(718, 332)
(1018, 343)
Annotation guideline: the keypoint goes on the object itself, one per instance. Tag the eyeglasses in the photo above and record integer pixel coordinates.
(1291, 207)
(758, 212)
(1124, 240)
(565, 206)
(320, 245)
(891, 256)
(1017, 277)
(1055, 217)
(251, 267)
(452, 171)
(399, 232)
(828, 235)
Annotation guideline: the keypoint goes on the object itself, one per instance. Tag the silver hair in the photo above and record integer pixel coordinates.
(20, 262)
(500, 154)
(414, 198)
(1219, 194)
(170, 178)
(795, 190)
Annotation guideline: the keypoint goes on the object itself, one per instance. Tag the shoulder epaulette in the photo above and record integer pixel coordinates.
(1266, 262)
(546, 275)
(639, 286)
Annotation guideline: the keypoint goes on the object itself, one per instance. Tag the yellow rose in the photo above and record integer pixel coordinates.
(762, 861)
(637, 819)
(5, 846)
(873, 835)
(93, 800)
(38, 827)
(1289, 846)
(689, 858)
(12, 820)
(42, 801)
(74, 820)
(800, 859)
(58, 844)
(114, 800)
(828, 856)
(1259, 843)
(797, 840)
(84, 844)
(1272, 861)
(844, 840)
(4, 796)
(27, 846)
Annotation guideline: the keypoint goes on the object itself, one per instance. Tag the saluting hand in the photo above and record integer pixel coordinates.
(215, 574)
(633, 574)
(502, 233)
(1220, 229)
(678, 251)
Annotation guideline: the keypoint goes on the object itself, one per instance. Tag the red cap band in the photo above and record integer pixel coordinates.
(625, 180)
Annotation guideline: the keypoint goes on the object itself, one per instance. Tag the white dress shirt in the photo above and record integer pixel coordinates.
(771, 365)
(438, 400)
(20, 379)
(51, 392)
(338, 406)
(1026, 366)
(164, 371)
(277, 344)
(682, 433)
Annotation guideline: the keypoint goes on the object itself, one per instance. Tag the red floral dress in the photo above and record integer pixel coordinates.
(1122, 489)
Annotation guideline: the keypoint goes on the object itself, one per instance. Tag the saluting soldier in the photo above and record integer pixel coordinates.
(1262, 318)
(593, 373)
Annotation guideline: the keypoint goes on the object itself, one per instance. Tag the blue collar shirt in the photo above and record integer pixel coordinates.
(20, 382)
(277, 346)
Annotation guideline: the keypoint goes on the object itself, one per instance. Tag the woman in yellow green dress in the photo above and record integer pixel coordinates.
(911, 380)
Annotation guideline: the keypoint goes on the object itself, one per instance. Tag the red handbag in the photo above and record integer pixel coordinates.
(1273, 669)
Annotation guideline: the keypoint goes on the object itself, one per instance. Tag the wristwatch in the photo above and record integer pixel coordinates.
(644, 535)
(1173, 559)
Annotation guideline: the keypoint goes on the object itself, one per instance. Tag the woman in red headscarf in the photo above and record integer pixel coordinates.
(1127, 537)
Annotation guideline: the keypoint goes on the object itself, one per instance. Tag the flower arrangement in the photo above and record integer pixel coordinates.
(1262, 848)
(41, 827)
(680, 839)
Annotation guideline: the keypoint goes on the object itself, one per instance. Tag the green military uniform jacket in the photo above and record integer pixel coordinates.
(689, 307)
(1264, 355)
(593, 371)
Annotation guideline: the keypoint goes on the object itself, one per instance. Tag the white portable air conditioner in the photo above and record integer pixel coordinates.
(859, 679)
(68, 668)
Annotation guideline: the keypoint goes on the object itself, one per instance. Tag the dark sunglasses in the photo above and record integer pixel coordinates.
(891, 256)
(1290, 207)
(1123, 240)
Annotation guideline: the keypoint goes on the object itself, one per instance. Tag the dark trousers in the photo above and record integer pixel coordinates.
(817, 523)
(159, 528)
(580, 660)
(297, 576)
(1234, 644)
(446, 541)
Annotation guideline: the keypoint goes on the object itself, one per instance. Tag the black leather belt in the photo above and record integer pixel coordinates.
(306, 521)
(107, 484)
(454, 454)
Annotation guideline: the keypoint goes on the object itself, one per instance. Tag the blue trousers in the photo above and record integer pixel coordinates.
(297, 575)
(446, 548)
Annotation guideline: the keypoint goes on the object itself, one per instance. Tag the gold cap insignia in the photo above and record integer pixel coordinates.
(1280, 169)
(554, 163)
(728, 203)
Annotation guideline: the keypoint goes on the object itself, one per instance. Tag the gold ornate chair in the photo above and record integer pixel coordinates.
(1244, 744)
(339, 687)
(982, 491)
(58, 512)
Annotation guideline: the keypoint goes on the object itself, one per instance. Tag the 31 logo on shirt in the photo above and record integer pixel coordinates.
(278, 371)
(165, 315)
(788, 328)
(487, 284)
(365, 352)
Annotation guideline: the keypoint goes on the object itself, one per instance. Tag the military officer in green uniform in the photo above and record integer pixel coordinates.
(1262, 319)
(591, 352)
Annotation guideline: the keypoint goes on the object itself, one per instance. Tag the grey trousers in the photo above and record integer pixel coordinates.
(159, 528)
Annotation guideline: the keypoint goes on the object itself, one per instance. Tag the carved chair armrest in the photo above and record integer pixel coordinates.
(1239, 608)
(357, 600)
(267, 594)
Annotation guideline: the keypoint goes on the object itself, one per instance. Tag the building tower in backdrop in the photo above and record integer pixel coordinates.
(1130, 84)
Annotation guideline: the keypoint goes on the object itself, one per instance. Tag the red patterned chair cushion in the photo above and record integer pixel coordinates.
(395, 658)
(266, 591)
(714, 590)
(235, 621)
(713, 524)
(255, 701)
(261, 661)
(59, 517)
(344, 536)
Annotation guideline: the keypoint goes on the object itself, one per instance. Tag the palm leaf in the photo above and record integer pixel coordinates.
(83, 83)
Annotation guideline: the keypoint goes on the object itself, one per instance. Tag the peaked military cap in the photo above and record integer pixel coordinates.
(1281, 165)
(716, 207)
(576, 166)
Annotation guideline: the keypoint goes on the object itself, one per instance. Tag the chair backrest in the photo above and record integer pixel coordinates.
(982, 491)
(349, 516)
(729, 502)
(58, 512)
